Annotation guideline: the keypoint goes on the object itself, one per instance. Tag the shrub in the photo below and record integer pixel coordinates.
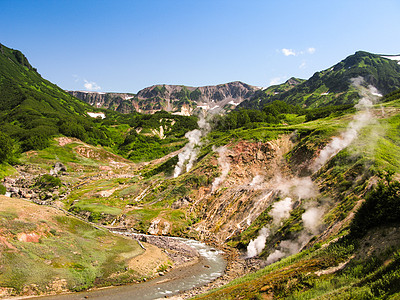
(381, 206)
(47, 182)
(3, 189)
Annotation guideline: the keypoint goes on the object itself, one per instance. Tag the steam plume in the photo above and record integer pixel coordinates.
(370, 95)
(257, 245)
(225, 166)
(191, 149)
(280, 211)
(301, 188)
(311, 220)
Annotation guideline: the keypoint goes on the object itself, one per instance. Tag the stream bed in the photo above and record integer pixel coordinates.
(210, 266)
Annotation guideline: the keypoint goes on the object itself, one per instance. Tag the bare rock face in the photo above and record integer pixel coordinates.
(58, 168)
(177, 99)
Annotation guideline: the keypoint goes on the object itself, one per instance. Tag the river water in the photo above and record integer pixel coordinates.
(211, 265)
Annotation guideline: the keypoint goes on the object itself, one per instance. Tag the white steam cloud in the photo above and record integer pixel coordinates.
(281, 210)
(225, 167)
(312, 219)
(257, 245)
(191, 149)
(299, 188)
(256, 182)
(312, 222)
(360, 120)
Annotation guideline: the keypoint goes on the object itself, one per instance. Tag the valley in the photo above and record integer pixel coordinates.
(297, 190)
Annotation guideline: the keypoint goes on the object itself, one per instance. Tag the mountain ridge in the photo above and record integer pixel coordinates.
(333, 86)
(179, 99)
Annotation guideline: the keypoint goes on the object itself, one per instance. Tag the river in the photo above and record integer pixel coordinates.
(211, 265)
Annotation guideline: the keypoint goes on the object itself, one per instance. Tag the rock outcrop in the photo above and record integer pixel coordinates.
(177, 99)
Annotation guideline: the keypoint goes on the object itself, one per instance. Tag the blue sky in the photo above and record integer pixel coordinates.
(124, 46)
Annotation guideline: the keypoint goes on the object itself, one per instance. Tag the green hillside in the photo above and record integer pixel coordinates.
(333, 86)
(33, 110)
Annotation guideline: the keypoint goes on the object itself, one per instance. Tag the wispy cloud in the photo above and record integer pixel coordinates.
(288, 52)
(291, 52)
(91, 85)
(302, 65)
(311, 50)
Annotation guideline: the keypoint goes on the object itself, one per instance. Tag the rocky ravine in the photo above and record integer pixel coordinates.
(177, 99)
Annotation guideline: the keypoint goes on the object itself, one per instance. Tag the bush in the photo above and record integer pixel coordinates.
(3, 189)
(47, 181)
(381, 206)
(6, 147)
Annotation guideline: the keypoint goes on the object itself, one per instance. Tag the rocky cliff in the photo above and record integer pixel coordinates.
(178, 99)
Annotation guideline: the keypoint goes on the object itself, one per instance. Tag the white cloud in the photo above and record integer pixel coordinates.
(302, 65)
(288, 52)
(91, 85)
(76, 77)
(311, 50)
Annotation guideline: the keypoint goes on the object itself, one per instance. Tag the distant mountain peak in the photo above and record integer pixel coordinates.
(333, 86)
(179, 99)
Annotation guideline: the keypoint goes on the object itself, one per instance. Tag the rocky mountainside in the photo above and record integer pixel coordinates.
(178, 99)
(115, 101)
(335, 85)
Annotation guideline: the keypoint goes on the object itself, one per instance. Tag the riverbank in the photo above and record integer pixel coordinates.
(237, 266)
(188, 274)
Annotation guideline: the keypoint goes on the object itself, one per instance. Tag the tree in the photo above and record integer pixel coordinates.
(6, 147)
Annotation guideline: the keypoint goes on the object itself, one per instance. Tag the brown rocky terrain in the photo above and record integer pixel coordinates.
(173, 98)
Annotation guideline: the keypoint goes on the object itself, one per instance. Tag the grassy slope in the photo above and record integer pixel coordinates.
(61, 253)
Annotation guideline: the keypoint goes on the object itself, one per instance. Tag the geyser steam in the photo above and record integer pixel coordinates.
(280, 211)
(191, 149)
(257, 245)
(369, 96)
(299, 188)
(225, 167)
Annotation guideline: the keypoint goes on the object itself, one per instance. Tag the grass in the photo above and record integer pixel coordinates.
(295, 278)
(67, 249)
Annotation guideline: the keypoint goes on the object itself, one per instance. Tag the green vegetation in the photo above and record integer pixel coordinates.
(33, 110)
(47, 182)
(67, 252)
(333, 86)
(381, 207)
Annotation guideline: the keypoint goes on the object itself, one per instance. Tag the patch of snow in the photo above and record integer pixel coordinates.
(205, 107)
(128, 98)
(324, 94)
(7, 194)
(377, 94)
(392, 57)
(233, 103)
(216, 106)
(96, 115)
(276, 93)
